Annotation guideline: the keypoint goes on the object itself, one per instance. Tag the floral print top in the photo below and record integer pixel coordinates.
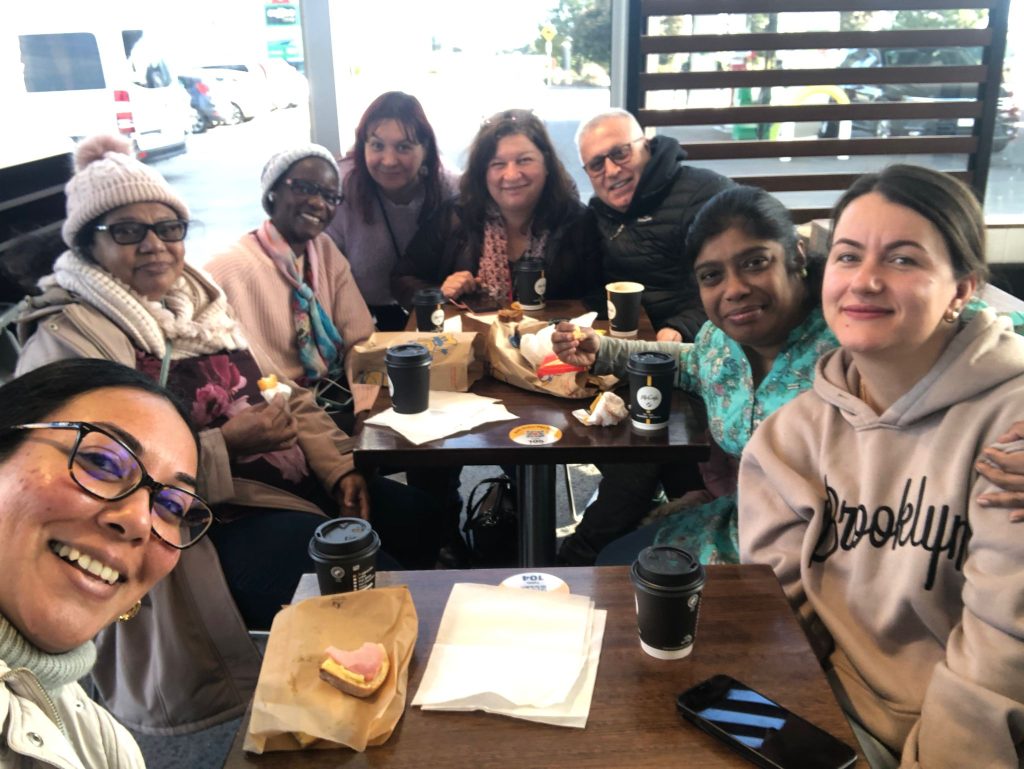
(215, 387)
(715, 368)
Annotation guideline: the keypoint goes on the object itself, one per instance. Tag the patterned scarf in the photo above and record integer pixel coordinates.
(495, 272)
(320, 344)
(192, 315)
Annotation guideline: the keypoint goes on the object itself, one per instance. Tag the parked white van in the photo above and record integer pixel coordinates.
(83, 71)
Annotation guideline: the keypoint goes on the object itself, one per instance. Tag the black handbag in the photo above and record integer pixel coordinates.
(491, 523)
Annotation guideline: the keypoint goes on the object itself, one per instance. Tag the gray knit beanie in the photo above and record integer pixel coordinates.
(279, 164)
(106, 177)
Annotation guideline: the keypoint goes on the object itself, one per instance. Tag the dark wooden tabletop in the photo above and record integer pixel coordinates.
(746, 630)
(489, 444)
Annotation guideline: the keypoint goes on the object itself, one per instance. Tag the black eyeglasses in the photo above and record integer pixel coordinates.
(309, 189)
(130, 233)
(619, 155)
(105, 468)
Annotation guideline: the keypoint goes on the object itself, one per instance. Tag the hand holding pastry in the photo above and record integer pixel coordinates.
(575, 345)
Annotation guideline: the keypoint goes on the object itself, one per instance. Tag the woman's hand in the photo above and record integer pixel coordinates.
(458, 283)
(575, 345)
(353, 496)
(668, 334)
(1005, 470)
(263, 427)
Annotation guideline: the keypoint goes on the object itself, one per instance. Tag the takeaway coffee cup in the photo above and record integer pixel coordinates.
(429, 306)
(667, 583)
(529, 283)
(651, 378)
(344, 552)
(408, 377)
(624, 307)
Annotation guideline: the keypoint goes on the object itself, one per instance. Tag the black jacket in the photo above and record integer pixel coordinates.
(645, 243)
(443, 245)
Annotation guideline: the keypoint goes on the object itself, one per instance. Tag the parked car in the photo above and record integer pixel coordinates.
(286, 86)
(225, 96)
(1006, 117)
(79, 74)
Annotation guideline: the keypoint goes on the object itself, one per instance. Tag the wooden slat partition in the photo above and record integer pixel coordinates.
(652, 96)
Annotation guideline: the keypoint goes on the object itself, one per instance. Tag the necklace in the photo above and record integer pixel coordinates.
(862, 393)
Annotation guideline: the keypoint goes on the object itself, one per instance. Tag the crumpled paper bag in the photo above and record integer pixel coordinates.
(512, 364)
(293, 709)
(457, 357)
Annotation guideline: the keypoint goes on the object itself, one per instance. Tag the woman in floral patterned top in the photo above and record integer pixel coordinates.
(757, 352)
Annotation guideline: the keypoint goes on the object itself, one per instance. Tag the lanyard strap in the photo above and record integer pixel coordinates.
(387, 223)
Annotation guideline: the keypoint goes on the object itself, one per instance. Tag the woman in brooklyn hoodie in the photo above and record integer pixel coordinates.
(862, 493)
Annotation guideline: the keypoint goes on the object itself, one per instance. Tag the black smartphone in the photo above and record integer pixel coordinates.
(479, 302)
(762, 730)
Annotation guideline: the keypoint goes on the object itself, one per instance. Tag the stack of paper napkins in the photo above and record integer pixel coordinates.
(521, 653)
(448, 413)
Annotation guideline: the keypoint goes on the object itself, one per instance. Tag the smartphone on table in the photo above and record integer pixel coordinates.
(762, 730)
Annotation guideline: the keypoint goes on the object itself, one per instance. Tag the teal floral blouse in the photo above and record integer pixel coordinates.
(716, 369)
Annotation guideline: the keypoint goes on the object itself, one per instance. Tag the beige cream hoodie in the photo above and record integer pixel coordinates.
(912, 591)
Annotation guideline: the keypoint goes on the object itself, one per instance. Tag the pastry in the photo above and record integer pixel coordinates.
(360, 672)
(511, 314)
(270, 388)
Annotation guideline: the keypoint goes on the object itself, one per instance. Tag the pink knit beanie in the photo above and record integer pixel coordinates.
(108, 177)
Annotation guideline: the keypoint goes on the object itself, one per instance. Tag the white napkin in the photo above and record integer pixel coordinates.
(453, 325)
(447, 413)
(518, 653)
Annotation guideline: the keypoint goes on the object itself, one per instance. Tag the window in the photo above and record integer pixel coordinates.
(61, 62)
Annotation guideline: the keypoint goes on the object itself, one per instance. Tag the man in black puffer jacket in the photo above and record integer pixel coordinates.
(645, 201)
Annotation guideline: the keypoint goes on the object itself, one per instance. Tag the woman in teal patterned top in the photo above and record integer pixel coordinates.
(756, 353)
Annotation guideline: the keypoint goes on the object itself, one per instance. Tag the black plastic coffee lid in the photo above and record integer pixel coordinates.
(428, 296)
(528, 264)
(669, 566)
(651, 362)
(407, 355)
(342, 536)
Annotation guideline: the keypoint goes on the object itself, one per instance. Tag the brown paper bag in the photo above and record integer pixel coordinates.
(457, 362)
(293, 709)
(509, 365)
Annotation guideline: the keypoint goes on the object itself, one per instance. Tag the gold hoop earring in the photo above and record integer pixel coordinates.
(803, 272)
(951, 315)
(130, 614)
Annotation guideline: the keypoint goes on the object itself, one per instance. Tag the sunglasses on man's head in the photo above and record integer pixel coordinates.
(309, 189)
(130, 233)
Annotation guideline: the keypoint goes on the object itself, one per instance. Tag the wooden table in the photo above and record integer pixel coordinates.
(746, 630)
(489, 444)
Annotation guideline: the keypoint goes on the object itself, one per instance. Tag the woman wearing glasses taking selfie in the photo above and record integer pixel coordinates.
(97, 501)
(516, 200)
(272, 470)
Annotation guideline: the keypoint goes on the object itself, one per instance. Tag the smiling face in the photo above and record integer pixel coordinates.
(150, 267)
(748, 291)
(516, 175)
(394, 159)
(618, 184)
(297, 216)
(53, 602)
(888, 283)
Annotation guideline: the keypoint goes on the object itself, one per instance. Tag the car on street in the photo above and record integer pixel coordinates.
(1007, 116)
(285, 86)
